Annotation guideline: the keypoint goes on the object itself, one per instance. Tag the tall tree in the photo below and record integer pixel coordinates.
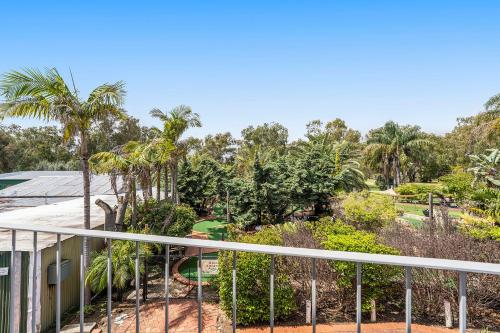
(389, 144)
(175, 123)
(45, 95)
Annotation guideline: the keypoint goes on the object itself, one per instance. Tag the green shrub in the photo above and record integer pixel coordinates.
(479, 228)
(252, 280)
(369, 211)
(457, 184)
(420, 191)
(153, 215)
(123, 260)
(184, 219)
(487, 202)
(376, 278)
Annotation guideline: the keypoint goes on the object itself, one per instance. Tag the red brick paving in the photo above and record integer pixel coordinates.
(348, 328)
(183, 318)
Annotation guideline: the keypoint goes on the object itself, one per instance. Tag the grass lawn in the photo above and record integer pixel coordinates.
(189, 268)
(416, 223)
(416, 209)
(215, 229)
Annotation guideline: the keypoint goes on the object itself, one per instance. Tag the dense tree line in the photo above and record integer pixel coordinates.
(263, 175)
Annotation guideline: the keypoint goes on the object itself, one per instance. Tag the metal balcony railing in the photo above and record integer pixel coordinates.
(462, 267)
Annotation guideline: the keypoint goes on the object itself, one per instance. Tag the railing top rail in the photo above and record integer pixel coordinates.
(444, 264)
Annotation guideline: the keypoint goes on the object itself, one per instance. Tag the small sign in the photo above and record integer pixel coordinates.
(209, 266)
(4, 271)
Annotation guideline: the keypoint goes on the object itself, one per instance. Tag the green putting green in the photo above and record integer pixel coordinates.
(189, 268)
(417, 209)
(215, 229)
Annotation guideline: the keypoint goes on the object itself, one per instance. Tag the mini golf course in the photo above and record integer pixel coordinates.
(209, 229)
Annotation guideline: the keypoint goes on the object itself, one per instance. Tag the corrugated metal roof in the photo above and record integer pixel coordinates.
(60, 186)
(68, 214)
(35, 174)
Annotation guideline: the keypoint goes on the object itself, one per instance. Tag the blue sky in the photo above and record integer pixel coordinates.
(240, 63)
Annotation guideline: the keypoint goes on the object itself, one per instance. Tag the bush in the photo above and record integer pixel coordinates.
(458, 184)
(183, 221)
(376, 278)
(123, 259)
(479, 228)
(487, 202)
(369, 211)
(153, 215)
(252, 280)
(420, 191)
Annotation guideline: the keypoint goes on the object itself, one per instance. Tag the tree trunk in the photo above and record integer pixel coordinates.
(158, 183)
(133, 218)
(397, 170)
(123, 204)
(165, 179)
(150, 182)
(175, 194)
(86, 206)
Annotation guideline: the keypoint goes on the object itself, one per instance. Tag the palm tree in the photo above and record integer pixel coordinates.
(119, 162)
(45, 95)
(390, 144)
(123, 261)
(485, 167)
(159, 151)
(175, 123)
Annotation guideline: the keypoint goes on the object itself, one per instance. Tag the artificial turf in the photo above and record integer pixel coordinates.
(215, 229)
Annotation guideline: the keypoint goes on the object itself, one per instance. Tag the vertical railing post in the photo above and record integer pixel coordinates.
(58, 284)
(271, 296)
(408, 282)
(462, 302)
(110, 285)
(200, 318)
(12, 273)
(82, 283)
(234, 292)
(358, 297)
(33, 282)
(137, 285)
(167, 289)
(313, 295)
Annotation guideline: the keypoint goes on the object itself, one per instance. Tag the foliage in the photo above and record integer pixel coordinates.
(46, 96)
(339, 236)
(320, 170)
(485, 168)
(123, 265)
(392, 148)
(376, 278)
(473, 135)
(153, 215)
(486, 201)
(252, 282)
(369, 211)
(480, 228)
(202, 182)
(175, 123)
(420, 191)
(457, 184)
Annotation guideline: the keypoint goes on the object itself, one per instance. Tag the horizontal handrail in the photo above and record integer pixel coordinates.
(358, 257)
